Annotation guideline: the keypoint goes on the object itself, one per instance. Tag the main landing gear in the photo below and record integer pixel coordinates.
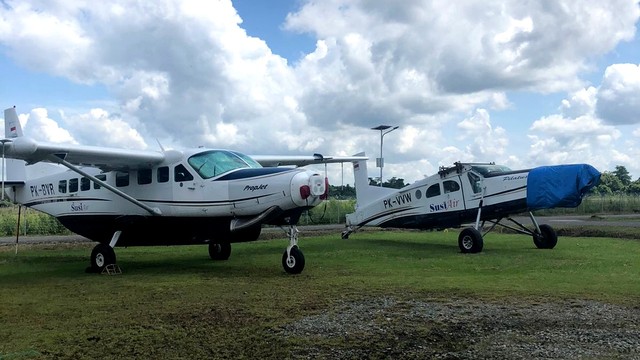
(292, 258)
(103, 255)
(470, 239)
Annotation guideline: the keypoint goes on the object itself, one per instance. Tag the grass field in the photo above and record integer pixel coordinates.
(173, 302)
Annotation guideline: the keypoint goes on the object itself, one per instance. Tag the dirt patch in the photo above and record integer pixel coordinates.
(467, 329)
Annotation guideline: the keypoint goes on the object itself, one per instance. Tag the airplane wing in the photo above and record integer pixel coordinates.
(105, 158)
(18, 146)
(302, 160)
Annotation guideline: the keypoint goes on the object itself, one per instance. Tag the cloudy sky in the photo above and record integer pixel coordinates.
(522, 83)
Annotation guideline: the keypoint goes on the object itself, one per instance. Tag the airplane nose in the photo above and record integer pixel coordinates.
(309, 188)
(560, 185)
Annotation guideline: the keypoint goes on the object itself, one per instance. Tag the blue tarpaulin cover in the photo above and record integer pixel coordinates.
(560, 185)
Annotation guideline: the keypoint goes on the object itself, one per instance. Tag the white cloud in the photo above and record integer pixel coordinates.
(39, 126)
(619, 94)
(575, 136)
(186, 72)
(483, 140)
(100, 128)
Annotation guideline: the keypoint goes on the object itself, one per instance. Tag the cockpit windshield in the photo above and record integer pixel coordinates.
(217, 162)
(489, 170)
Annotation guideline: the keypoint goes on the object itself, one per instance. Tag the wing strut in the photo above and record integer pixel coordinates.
(60, 160)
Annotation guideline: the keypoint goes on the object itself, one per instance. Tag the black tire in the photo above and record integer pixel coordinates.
(220, 251)
(546, 238)
(470, 241)
(101, 256)
(293, 264)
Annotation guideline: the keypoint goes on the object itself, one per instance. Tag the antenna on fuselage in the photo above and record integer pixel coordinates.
(161, 147)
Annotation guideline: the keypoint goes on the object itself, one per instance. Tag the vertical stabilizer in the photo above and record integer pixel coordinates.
(12, 128)
(14, 170)
(366, 193)
(361, 177)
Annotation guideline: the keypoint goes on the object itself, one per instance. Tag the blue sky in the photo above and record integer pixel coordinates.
(504, 81)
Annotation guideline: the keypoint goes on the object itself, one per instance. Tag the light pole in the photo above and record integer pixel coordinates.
(380, 160)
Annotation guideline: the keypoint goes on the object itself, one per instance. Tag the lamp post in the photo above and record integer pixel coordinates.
(380, 160)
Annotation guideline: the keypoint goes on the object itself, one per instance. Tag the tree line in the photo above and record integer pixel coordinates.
(617, 182)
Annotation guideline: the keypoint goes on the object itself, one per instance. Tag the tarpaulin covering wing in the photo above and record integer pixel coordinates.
(560, 185)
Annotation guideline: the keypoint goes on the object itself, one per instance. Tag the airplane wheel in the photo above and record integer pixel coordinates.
(219, 251)
(293, 264)
(470, 241)
(546, 238)
(101, 256)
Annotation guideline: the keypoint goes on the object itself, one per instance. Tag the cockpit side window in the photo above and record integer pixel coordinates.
(450, 186)
(217, 162)
(180, 173)
(475, 182)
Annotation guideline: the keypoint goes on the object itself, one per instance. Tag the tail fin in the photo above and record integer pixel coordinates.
(12, 127)
(366, 193)
(361, 176)
(14, 170)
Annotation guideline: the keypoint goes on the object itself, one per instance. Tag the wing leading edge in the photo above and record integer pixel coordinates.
(303, 160)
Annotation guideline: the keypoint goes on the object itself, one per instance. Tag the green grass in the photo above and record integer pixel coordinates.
(173, 302)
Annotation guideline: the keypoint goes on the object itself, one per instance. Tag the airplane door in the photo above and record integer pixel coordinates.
(185, 186)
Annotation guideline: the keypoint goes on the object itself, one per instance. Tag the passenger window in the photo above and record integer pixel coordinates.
(85, 184)
(100, 177)
(122, 178)
(62, 186)
(144, 176)
(180, 173)
(433, 190)
(163, 174)
(73, 185)
(450, 186)
(475, 182)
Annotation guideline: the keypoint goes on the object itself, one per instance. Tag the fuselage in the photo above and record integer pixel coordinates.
(448, 199)
(196, 193)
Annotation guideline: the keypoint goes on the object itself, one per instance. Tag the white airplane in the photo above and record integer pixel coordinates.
(123, 197)
(472, 193)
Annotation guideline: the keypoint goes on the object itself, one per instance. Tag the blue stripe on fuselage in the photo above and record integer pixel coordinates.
(253, 172)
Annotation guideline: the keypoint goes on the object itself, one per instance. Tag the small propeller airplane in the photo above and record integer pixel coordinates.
(120, 197)
(472, 193)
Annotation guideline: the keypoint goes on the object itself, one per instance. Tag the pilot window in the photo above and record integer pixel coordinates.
(450, 186)
(73, 185)
(475, 182)
(433, 190)
(144, 176)
(217, 162)
(122, 178)
(101, 177)
(163, 174)
(62, 186)
(85, 184)
(180, 173)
